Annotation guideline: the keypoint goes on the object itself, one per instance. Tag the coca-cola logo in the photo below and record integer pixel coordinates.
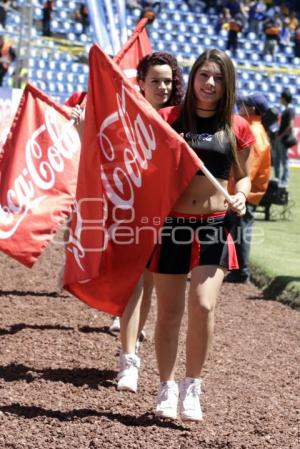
(137, 151)
(120, 176)
(39, 174)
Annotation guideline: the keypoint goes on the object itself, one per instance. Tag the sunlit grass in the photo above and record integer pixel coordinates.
(277, 251)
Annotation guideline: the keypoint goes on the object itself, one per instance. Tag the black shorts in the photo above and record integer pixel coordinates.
(187, 241)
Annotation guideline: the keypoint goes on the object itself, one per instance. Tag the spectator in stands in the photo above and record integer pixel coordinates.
(235, 27)
(150, 10)
(7, 56)
(297, 42)
(233, 6)
(285, 34)
(20, 78)
(143, 4)
(252, 107)
(223, 20)
(161, 82)
(201, 223)
(284, 9)
(4, 6)
(284, 139)
(82, 16)
(272, 28)
(256, 16)
(293, 22)
(214, 6)
(46, 18)
(208, 4)
(134, 4)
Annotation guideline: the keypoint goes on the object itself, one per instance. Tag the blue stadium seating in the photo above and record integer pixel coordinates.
(177, 29)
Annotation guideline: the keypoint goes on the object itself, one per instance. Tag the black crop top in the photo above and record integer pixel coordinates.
(212, 146)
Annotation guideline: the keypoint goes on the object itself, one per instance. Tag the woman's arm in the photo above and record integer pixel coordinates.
(242, 183)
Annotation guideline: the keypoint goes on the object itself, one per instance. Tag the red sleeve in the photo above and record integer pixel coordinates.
(243, 133)
(170, 114)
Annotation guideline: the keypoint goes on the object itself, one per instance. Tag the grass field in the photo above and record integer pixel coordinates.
(275, 251)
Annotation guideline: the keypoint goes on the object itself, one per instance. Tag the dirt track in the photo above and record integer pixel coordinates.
(58, 373)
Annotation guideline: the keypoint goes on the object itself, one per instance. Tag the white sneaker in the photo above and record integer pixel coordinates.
(128, 372)
(190, 409)
(167, 400)
(115, 325)
(137, 346)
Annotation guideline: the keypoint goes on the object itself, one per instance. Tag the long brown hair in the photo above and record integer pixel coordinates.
(188, 117)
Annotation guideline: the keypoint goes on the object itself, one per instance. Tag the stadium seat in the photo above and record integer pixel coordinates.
(196, 29)
(72, 36)
(244, 75)
(174, 47)
(82, 79)
(181, 28)
(78, 27)
(40, 84)
(51, 87)
(60, 76)
(160, 46)
(52, 65)
(49, 75)
(55, 26)
(184, 7)
(204, 20)
(66, 26)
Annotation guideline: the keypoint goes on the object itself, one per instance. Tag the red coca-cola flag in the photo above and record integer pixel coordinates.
(5, 125)
(132, 169)
(38, 173)
(137, 46)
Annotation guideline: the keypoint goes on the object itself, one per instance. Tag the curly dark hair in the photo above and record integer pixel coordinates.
(162, 58)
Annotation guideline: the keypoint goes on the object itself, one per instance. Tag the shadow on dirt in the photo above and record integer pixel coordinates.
(90, 330)
(15, 328)
(32, 293)
(145, 420)
(92, 377)
(278, 285)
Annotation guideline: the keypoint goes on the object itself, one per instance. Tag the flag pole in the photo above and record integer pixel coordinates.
(216, 183)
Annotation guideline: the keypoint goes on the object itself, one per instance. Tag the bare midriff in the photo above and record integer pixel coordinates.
(201, 197)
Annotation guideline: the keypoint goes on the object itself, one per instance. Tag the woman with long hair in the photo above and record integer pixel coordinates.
(197, 235)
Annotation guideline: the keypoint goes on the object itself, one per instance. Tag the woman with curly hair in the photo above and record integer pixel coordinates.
(161, 82)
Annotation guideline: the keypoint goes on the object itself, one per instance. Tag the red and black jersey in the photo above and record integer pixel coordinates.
(210, 143)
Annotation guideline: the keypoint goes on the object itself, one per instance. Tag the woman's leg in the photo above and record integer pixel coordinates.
(170, 290)
(205, 285)
(130, 321)
(148, 283)
(129, 362)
